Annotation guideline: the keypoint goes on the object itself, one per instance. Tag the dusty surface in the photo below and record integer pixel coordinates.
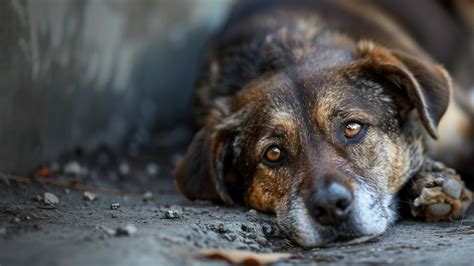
(170, 229)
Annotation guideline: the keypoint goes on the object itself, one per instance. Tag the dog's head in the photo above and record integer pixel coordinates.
(325, 142)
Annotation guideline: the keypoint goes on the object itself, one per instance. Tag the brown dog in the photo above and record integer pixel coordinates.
(318, 111)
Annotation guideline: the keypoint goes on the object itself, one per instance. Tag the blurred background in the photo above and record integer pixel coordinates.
(87, 73)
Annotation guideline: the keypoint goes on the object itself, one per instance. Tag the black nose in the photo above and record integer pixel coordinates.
(330, 205)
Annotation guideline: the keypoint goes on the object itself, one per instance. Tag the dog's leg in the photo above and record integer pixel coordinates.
(438, 193)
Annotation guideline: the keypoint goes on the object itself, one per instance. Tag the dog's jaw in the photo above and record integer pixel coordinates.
(370, 217)
(300, 226)
(373, 212)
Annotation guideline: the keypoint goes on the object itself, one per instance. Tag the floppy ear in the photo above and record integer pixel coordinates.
(202, 172)
(428, 87)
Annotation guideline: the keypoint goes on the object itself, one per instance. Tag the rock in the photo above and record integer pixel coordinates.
(16, 220)
(3, 231)
(147, 196)
(67, 191)
(50, 199)
(127, 230)
(153, 169)
(171, 214)
(72, 168)
(115, 206)
(89, 196)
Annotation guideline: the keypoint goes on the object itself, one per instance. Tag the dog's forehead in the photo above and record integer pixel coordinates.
(306, 97)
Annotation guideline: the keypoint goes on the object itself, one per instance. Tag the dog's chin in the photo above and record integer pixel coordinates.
(367, 219)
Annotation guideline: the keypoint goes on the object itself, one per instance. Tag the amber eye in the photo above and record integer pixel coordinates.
(352, 129)
(273, 154)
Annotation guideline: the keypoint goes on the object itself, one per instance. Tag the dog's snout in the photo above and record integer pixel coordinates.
(330, 204)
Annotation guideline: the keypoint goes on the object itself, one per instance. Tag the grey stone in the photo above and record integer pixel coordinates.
(172, 214)
(50, 199)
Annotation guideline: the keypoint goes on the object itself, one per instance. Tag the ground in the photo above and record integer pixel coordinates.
(171, 230)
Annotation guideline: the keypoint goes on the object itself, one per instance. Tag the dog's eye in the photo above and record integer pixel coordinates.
(273, 154)
(352, 129)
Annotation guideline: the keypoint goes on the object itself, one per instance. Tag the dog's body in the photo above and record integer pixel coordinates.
(320, 112)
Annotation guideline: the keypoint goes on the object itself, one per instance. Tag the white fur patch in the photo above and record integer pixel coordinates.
(371, 215)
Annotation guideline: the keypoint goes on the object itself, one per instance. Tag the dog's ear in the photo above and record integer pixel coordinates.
(202, 173)
(426, 86)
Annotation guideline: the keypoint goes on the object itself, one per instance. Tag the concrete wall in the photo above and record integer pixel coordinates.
(83, 72)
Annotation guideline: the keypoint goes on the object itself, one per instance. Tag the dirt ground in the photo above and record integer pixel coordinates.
(171, 230)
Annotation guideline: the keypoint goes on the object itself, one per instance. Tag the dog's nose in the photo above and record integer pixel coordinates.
(330, 205)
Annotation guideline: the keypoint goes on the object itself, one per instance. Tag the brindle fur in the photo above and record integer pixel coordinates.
(291, 74)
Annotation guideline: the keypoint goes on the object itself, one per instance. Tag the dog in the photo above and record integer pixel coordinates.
(323, 113)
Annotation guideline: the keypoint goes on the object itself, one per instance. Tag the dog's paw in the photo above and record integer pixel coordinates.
(441, 194)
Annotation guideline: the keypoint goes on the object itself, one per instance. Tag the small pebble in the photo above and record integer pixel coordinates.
(115, 206)
(3, 231)
(67, 191)
(171, 214)
(147, 196)
(114, 215)
(50, 199)
(16, 220)
(72, 168)
(89, 196)
(152, 169)
(127, 230)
